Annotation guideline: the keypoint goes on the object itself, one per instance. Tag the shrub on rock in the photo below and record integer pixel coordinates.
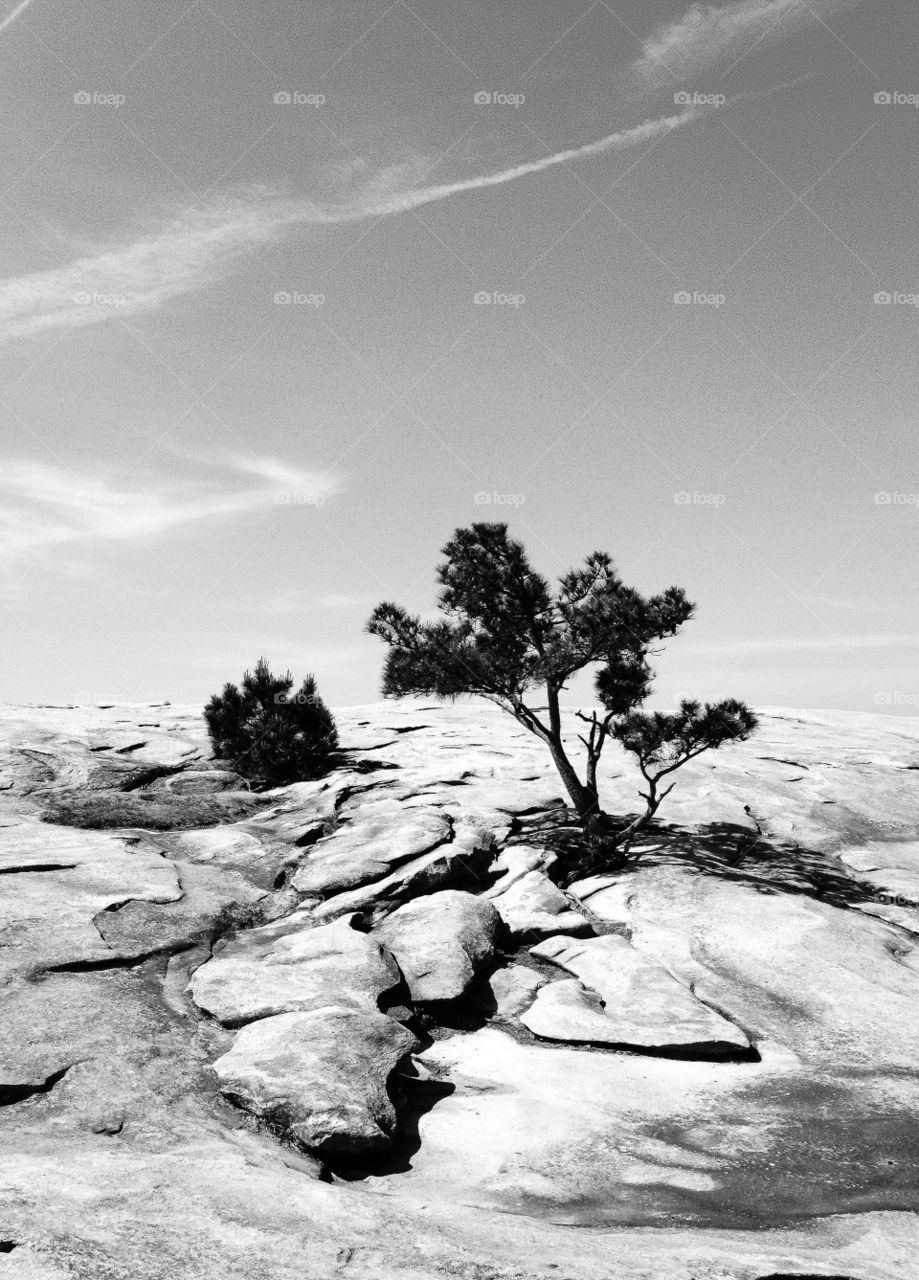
(269, 733)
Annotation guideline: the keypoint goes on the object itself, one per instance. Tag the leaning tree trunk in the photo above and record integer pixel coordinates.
(584, 799)
(602, 833)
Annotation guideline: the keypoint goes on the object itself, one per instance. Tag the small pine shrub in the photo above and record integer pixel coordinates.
(269, 734)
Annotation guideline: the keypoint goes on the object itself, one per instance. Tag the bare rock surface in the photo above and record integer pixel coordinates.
(143, 1138)
(392, 834)
(830, 985)
(441, 942)
(320, 1077)
(623, 998)
(289, 968)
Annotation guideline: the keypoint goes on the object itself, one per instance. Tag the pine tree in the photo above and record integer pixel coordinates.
(268, 733)
(504, 634)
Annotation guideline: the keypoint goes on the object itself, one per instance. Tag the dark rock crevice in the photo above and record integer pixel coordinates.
(11, 1094)
(118, 961)
(413, 1096)
(156, 771)
(39, 866)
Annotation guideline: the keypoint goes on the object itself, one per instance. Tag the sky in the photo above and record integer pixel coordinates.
(291, 291)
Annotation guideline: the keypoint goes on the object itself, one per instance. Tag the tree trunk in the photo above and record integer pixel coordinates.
(585, 799)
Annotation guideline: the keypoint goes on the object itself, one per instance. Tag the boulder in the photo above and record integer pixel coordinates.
(624, 998)
(514, 989)
(320, 1077)
(533, 904)
(290, 967)
(441, 942)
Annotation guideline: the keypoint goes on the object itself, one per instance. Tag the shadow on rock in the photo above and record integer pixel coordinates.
(724, 849)
(413, 1097)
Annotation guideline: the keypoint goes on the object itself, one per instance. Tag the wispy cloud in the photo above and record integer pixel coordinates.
(46, 506)
(201, 245)
(718, 35)
(143, 273)
(14, 14)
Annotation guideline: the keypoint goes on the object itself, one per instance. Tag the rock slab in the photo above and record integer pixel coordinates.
(623, 998)
(441, 942)
(292, 967)
(319, 1077)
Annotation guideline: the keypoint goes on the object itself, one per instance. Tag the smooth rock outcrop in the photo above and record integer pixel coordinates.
(833, 985)
(441, 942)
(319, 1077)
(531, 1158)
(623, 998)
(290, 967)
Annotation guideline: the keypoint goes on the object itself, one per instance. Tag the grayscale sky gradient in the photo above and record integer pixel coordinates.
(247, 391)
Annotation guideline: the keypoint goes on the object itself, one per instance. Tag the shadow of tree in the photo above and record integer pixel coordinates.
(727, 850)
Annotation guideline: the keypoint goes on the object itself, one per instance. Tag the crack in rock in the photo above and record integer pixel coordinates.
(39, 866)
(116, 961)
(11, 1094)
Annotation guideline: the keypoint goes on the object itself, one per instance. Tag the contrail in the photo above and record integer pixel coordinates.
(142, 274)
(403, 201)
(11, 17)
